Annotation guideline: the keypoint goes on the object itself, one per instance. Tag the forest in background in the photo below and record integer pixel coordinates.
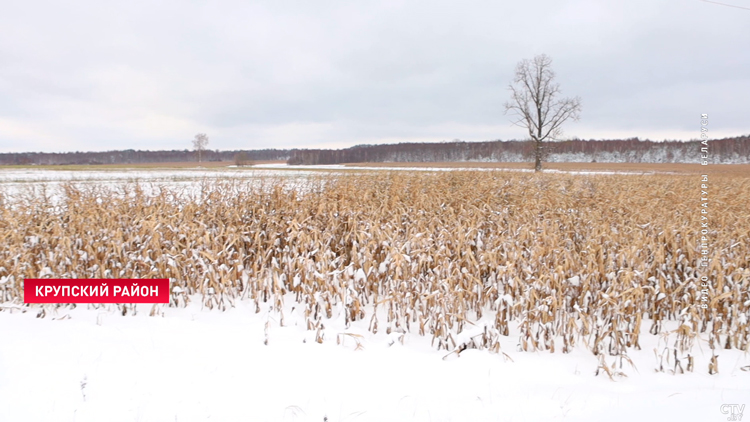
(138, 157)
(735, 150)
(721, 151)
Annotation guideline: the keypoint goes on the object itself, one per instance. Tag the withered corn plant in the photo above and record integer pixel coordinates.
(566, 260)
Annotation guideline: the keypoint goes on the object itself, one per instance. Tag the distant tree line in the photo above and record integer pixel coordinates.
(136, 157)
(727, 150)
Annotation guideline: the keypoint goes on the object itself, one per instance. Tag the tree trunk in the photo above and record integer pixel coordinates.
(538, 156)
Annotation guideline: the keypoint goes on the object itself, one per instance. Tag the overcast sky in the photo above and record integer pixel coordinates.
(100, 75)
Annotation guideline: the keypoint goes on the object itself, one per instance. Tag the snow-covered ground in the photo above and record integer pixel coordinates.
(453, 168)
(192, 364)
(17, 182)
(33, 176)
(152, 175)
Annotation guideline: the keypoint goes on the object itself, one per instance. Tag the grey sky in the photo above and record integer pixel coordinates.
(100, 75)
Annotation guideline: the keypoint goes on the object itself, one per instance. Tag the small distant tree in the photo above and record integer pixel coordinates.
(534, 101)
(200, 143)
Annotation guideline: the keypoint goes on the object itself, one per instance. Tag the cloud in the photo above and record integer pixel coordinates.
(95, 76)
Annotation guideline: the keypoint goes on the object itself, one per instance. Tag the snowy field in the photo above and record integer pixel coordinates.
(194, 364)
(452, 168)
(17, 182)
(199, 365)
(170, 175)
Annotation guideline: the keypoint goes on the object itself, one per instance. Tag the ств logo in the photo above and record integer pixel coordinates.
(734, 411)
(99, 290)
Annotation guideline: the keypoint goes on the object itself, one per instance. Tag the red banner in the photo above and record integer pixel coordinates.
(95, 290)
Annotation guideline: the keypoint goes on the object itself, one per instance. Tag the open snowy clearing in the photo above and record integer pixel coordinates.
(197, 365)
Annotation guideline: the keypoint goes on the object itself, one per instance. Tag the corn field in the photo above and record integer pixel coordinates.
(564, 261)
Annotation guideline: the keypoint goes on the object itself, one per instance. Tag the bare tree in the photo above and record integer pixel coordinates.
(199, 144)
(534, 101)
